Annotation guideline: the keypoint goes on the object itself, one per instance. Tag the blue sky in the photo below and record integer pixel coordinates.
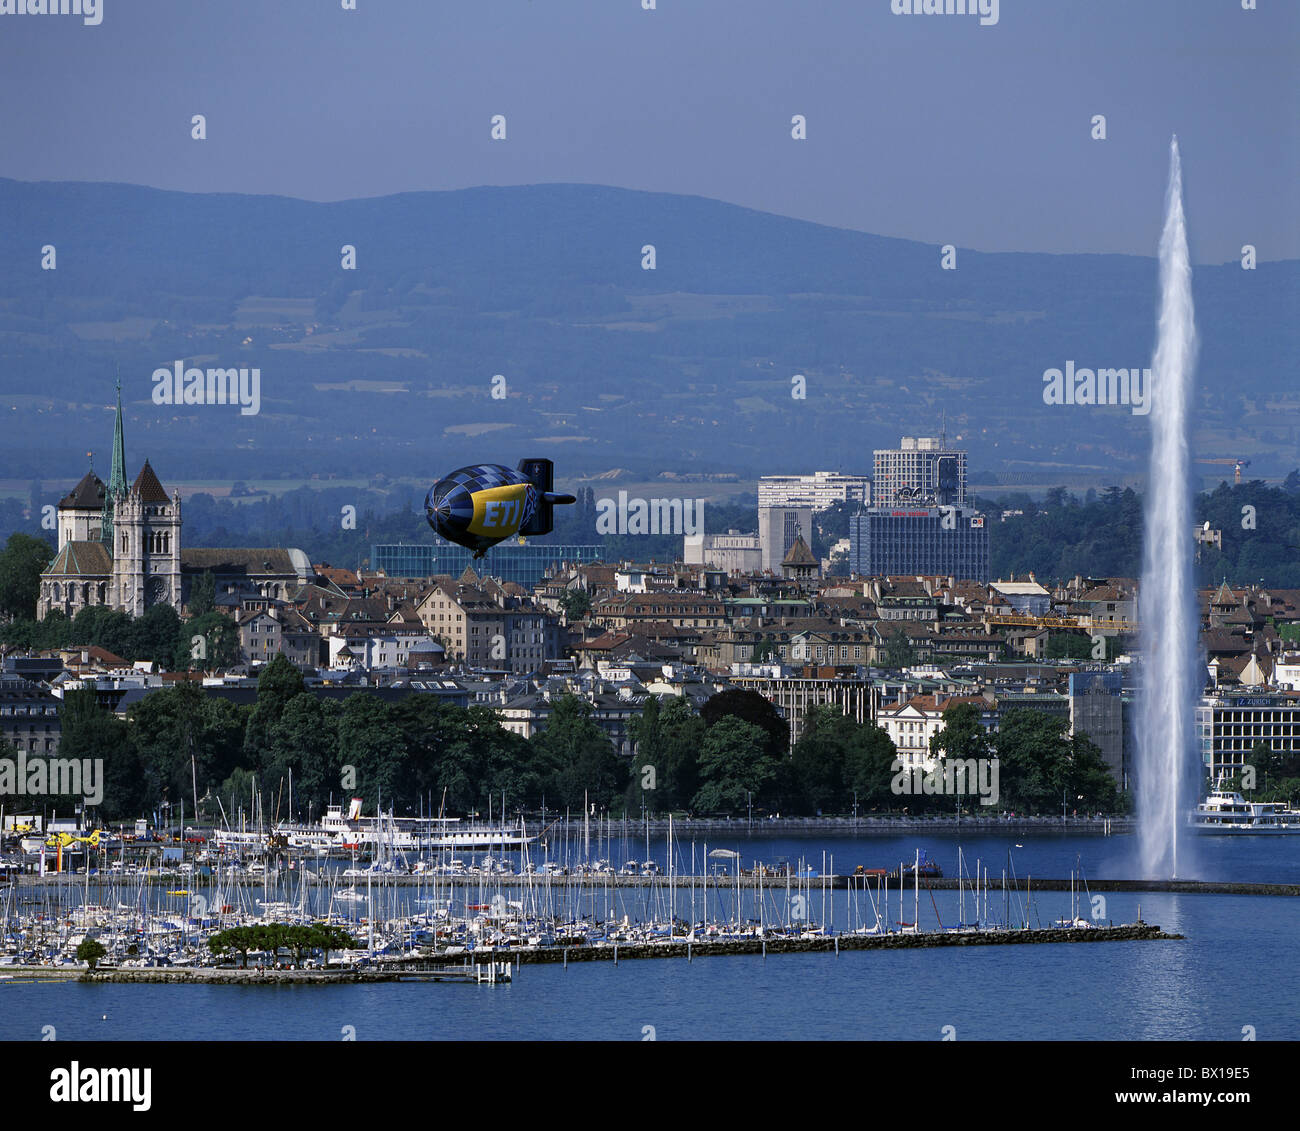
(930, 127)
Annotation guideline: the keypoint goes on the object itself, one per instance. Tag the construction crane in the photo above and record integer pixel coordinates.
(1237, 465)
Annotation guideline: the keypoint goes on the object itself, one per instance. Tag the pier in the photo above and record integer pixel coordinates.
(493, 965)
(491, 970)
(833, 944)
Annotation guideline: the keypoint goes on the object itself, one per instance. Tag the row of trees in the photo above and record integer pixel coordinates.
(1101, 535)
(159, 636)
(418, 753)
(21, 562)
(421, 755)
(269, 937)
(272, 937)
(840, 766)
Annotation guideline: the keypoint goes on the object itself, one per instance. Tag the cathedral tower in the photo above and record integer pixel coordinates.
(116, 489)
(146, 546)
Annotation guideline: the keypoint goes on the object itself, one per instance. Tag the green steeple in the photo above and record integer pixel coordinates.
(117, 476)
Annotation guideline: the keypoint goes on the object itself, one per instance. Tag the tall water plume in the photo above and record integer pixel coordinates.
(1168, 762)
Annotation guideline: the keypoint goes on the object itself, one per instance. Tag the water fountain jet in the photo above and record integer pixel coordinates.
(1172, 674)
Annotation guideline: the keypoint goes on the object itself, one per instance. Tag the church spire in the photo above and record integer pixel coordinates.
(117, 476)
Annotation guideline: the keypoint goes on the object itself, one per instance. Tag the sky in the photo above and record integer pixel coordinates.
(939, 128)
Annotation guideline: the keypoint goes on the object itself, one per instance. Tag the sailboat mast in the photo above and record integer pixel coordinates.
(916, 894)
(672, 887)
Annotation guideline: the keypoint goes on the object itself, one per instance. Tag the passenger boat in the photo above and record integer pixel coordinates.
(339, 831)
(1228, 813)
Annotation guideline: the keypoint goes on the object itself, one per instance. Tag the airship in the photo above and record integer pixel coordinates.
(487, 503)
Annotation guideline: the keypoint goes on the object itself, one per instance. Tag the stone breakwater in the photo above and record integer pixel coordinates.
(259, 976)
(1133, 932)
(679, 948)
(252, 977)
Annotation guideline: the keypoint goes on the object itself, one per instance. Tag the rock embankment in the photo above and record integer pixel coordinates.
(678, 948)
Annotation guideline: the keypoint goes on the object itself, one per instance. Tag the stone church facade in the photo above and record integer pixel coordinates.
(120, 546)
(140, 564)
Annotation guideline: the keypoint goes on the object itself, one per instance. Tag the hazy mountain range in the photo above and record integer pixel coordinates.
(387, 370)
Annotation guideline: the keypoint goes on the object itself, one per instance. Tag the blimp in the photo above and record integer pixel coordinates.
(487, 503)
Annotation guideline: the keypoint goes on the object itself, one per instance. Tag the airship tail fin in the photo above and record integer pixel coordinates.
(541, 474)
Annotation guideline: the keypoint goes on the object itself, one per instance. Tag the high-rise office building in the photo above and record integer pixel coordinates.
(920, 522)
(921, 470)
(928, 541)
(820, 490)
(777, 529)
(1097, 710)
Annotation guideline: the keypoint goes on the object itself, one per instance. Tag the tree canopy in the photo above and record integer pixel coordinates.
(21, 563)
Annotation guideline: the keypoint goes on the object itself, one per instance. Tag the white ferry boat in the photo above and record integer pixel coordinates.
(1225, 812)
(342, 832)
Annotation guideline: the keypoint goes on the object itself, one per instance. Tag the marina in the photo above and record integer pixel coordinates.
(386, 914)
(870, 990)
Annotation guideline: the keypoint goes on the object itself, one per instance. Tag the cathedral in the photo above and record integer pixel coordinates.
(120, 546)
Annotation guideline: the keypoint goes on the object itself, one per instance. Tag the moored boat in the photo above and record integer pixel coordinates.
(1225, 812)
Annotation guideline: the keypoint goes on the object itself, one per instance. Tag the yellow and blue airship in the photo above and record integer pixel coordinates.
(487, 503)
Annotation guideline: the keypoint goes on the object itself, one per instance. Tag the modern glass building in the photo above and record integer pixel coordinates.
(1097, 709)
(524, 564)
(929, 541)
(1231, 726)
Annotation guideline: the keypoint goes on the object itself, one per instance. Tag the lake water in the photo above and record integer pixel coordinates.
(1235, 968)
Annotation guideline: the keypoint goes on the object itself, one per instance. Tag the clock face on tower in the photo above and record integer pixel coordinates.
(157, 590)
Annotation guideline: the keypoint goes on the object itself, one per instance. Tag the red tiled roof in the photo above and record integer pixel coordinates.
(146, 485)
